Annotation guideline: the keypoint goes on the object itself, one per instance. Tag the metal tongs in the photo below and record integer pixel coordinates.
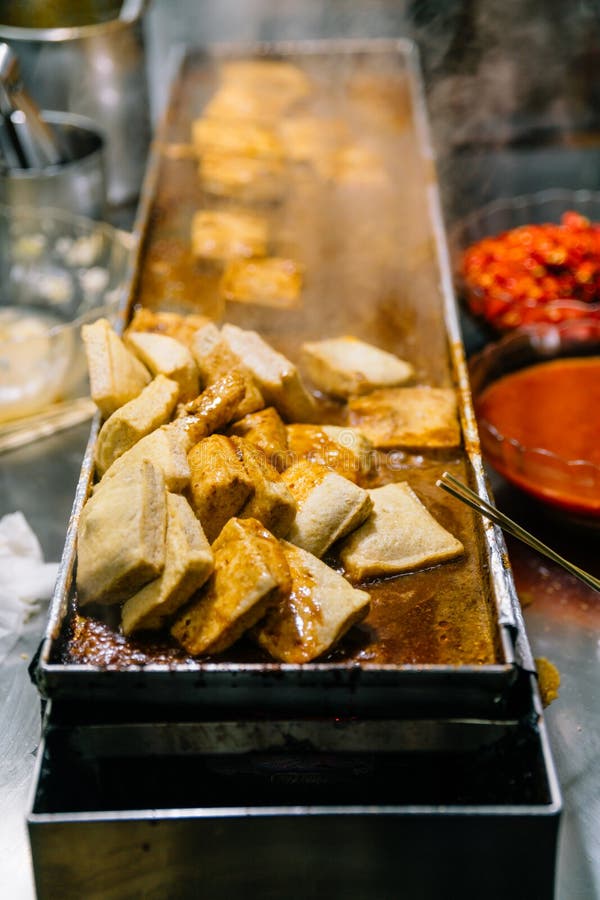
(457, 489)
(26, 141)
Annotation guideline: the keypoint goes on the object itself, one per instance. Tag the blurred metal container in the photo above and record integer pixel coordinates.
(77, 185)
(88, 57)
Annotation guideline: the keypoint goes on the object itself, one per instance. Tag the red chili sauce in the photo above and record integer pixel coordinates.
(552, 407)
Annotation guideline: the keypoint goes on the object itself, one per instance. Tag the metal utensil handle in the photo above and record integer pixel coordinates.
(457, 489)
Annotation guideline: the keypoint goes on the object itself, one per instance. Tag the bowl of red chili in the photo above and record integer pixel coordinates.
(529, 259)
(536, 394)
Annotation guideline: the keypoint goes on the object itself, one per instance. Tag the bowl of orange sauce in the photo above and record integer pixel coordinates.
(536, 394)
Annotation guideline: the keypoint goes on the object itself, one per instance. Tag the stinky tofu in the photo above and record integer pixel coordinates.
(265, 429)
(318, 610)
(116, 375)
(121, 538)
(265, 75)
(214, 408)
(134, 420)
(228, 234)
(188, 564)
(164, 355)
(270, 281)
(250, 574)
(310, 139)
(400, 535)
(220, 484)
(175, 325)
(407, 417)
(237, 138)
(248, 179)
(272, 502)
(345, 450)
(277, 377)
(345, 366)
(215, 359)
(166, 448)
(329, 506)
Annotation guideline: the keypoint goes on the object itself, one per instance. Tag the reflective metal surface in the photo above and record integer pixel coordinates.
(563, 619)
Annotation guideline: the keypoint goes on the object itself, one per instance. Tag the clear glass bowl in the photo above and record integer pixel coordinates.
(58, 271)
(505, 214)
(569, 485)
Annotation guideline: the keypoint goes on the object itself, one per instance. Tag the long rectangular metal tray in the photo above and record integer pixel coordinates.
(294, 808)
(447, 641)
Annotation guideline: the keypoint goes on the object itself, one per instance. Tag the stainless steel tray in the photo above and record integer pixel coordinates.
(416, 279)
(294, 808)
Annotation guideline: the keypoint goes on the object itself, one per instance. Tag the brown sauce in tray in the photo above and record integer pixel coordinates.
(439, 615)
(371, 271)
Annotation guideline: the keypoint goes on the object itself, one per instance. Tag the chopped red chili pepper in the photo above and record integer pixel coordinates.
(535, 272)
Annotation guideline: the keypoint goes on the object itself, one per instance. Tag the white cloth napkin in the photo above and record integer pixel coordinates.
(25, 579)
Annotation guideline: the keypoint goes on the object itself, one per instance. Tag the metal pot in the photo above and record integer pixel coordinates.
(96, 69)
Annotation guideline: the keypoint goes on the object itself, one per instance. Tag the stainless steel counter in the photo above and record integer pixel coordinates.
(563, 617)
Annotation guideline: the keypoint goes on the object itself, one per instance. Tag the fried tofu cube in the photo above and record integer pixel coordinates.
(329, 506)
(265, 429)
(227, 234)
(311, 139)
(188, 564)
(164, 355)
(134, 420)
(166, 448)
(276, 376)
(215, 359)
(316, 613)
(266, 75)
(237, 138)
(407, 417)
(220, 485)
(345, 366)
(116, 376)
(244, 178)
(175, 325)
(270, 281)
(121, 538)
(400, 535)
(343, 449)
(272, 502)
(216, 406)
(250, 574)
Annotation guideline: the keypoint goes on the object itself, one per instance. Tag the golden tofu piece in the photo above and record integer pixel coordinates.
(213, 409)
(356, 164)
(400, 535)
(407, 417)
(216, 359)
(265, 429)
(121, 538)
(166, 448)
(271, 281)
(188, 564)
(311, 139)
(175, 325)
(226, 234)
(250, 574)
(116, 376)
(268, 75)
(133, 421)
(344, 450)
(329, 506)
(271, 502)
(236, 138)
(245, 178)
(277, 378)
(164, 355)
(316, 613)
(220, 485)
(345, 366)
